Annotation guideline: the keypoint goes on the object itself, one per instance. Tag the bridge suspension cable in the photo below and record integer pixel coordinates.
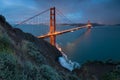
(31, 17)
(61, 14)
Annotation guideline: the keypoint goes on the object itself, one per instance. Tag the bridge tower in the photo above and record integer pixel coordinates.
(52, 26)
(89, 25)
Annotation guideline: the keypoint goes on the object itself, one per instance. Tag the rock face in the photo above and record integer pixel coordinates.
(24, 57)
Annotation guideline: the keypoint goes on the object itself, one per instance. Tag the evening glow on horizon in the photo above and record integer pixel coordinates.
(79, 11)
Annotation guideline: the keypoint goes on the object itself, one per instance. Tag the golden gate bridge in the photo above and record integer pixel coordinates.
(52, 25)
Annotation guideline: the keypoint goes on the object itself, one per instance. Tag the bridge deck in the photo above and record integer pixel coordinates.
(61, 32)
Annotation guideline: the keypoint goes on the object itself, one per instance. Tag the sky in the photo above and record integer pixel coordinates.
(78, 11)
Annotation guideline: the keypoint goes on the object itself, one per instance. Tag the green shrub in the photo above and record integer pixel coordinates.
(48, 73)
(31, 71)
(73, 77)
(5, 45)
(114, 75)
(45, 72)
(9, 69)
(33, 52)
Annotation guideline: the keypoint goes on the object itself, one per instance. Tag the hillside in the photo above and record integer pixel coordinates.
(24, 57)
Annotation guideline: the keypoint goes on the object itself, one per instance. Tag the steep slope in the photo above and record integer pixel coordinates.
(24, 57)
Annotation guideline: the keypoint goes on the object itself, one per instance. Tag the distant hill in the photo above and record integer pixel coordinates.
(117, 25)
(82, 24)
(96, 24)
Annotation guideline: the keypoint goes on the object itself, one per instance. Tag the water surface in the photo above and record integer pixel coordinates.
(97, 43)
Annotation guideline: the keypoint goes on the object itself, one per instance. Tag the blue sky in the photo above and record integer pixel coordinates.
(79, 11)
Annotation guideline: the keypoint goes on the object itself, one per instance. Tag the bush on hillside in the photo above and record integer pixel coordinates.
(114, 75)
(5, 45)
(33, 52)
(9, 69)
(48, 73)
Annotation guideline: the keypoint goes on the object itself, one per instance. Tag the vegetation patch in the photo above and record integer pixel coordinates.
(48, 73)
(5, 45)
(113, 75)
(33, 52)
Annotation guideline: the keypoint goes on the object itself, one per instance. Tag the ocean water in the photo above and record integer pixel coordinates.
(97, 43)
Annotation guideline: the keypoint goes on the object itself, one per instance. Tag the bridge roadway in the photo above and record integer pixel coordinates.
(61, 32)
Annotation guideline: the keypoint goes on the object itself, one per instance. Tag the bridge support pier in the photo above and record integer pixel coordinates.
(52, 26)
(89, 25)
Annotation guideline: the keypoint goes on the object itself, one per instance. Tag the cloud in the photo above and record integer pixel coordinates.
(14, 10)
(106, 11)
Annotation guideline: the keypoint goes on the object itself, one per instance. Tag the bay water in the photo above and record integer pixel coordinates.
(98, 43)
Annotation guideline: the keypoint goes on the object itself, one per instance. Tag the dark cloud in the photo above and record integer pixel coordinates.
(102, 11)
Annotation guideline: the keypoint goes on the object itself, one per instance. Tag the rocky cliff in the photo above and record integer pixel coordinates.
(24, 57)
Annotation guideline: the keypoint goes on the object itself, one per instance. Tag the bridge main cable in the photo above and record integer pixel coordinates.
(32, 17)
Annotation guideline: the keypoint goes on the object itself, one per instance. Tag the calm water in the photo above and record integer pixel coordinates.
(98, 43)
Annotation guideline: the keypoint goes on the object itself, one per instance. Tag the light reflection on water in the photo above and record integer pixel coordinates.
(70, 47)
